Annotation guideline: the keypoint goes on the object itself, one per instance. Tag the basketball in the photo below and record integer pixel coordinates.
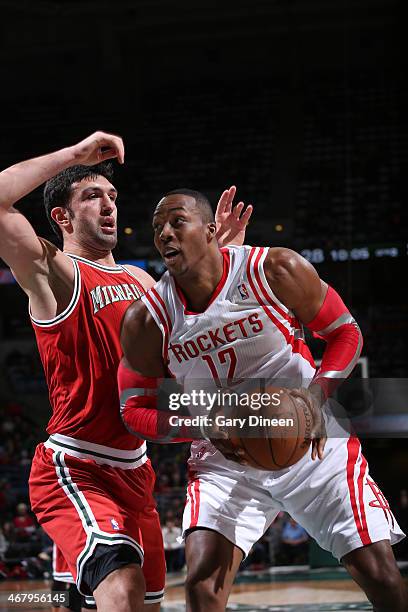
(277, 435)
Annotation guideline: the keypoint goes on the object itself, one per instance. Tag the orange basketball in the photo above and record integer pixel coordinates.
(277, 435)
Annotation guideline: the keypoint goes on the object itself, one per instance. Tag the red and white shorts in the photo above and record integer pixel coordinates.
(335, 499)
(86, 494)
(60, 568)
(61, 573)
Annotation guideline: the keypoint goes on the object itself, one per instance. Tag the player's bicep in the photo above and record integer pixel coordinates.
(141, 341)
(20, 247)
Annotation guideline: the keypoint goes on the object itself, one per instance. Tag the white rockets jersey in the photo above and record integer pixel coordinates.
(245, 332)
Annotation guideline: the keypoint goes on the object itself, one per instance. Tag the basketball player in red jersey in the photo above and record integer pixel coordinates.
(91, 482)
(238, 313)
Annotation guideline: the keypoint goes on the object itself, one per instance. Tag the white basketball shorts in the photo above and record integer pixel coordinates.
(334, 499)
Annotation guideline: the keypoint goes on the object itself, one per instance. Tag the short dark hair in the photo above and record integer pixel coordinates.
(57, 191)
(202, 202)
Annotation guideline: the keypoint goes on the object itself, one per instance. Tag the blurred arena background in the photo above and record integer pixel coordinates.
(300, 103)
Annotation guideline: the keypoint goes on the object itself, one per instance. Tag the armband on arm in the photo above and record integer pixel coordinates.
(335, 324)
(139, 412)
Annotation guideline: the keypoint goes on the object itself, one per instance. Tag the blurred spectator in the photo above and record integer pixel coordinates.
(258, 557)
(162, 484)
(173, 548)
(294, 546)
(274, 537)
(3, 544)
(24, 523)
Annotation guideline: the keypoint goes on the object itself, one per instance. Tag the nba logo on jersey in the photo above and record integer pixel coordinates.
(243, 291)
(115, 524)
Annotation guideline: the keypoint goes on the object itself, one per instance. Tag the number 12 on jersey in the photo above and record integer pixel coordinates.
(225, 356)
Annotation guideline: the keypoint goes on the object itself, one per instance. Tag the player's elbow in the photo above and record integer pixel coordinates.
(360, 339)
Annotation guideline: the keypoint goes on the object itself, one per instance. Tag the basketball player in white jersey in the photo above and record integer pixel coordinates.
(238, 313)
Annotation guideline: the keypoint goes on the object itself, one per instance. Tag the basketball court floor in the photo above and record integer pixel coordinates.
(291, 589)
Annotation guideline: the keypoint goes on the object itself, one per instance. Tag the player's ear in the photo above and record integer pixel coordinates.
(61, 216)
(211, 230)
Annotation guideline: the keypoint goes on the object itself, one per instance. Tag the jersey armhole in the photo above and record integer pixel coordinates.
(257, 278)
(160, 321)
(133, 275)
(69, 309)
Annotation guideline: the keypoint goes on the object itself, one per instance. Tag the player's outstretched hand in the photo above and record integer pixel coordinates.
(231, 221)
(314, 399)
(99, 147)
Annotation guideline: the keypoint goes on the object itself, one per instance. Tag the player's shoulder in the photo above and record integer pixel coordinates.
(282, 263)
(282, 258)
(142, 276)
(58, 262)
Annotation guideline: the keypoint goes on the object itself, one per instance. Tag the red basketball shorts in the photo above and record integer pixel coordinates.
(86, 494)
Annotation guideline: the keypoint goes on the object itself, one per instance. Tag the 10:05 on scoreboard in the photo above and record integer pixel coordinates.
(319, 255)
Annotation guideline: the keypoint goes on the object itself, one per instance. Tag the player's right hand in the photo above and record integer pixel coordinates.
(314, 400)
(98, 147)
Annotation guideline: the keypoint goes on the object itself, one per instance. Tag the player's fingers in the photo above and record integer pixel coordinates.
(222, 203)
(231, 194)
(320, 447)
(109, 141)
(314, 449)
(121, 150)
(237, 210)
(107, 153)
(246, 215)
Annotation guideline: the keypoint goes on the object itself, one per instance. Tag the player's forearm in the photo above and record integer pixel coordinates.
(19, 180)
(139, 412)
(335, 324)
(154, 425)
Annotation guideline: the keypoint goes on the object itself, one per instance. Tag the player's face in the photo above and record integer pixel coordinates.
(180, 234)
(94, 213)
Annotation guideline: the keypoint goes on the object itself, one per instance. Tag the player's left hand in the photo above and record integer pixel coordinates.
(231, 221)
(219, 437)
(314, 399)
(229, 450)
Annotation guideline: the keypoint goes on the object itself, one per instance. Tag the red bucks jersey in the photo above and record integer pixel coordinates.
(80, 351)
(245, 331)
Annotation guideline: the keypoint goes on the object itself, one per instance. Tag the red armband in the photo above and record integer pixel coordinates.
(335, 324)
(139, 412)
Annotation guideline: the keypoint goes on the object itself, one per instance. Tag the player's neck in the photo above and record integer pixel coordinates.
(199, 285)
(101, 256)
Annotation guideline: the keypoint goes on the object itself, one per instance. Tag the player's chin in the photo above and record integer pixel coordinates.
(108, 240)
(175, 268)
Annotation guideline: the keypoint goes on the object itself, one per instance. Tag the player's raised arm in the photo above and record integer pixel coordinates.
(30, 257)
(139, 375)
(318, 306)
